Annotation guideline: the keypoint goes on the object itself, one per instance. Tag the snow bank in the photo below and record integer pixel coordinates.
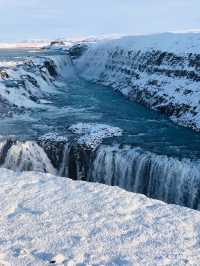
(47, 219)
(159, 71)
(93, 134)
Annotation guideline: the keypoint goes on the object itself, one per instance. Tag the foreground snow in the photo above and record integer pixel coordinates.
(52, 220)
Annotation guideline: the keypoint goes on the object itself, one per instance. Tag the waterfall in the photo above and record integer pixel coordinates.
(5, 144)
(63, 168)
(33, 80)
(48, 155)
(159, 177)
(28, 156)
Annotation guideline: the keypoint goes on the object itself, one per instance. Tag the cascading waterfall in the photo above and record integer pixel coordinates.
(48, 156)
(28, 156)
(159, 177)
(63, 168)
(29, 84)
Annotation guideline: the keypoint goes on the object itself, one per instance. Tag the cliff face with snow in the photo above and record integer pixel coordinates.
(49, 220)
(161, 72)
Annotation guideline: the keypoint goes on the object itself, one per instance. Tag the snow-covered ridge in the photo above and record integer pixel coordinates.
(160, 71)
(93, 134)
(27, 84)
(51, 220)
(171, 42)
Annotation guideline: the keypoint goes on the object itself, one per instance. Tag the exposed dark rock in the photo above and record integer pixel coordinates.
(57, 43)
(51, 67)
(6, 144)
(4, 74)
(80, 160)
(54, 149)
(77, 50)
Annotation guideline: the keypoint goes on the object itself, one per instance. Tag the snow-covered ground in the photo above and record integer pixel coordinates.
(49, 220)
(161, 71)
(28, 44)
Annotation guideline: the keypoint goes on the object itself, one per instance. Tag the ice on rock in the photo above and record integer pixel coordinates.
(93, 134)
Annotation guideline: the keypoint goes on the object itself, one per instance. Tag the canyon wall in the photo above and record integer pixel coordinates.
(161, 72)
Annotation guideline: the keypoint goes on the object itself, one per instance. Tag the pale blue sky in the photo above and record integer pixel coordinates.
(31, 19)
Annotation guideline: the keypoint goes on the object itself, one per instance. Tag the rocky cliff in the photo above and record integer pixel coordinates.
(161, 72)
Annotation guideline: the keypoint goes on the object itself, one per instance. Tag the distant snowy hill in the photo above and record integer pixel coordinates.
(160, 71)
(24, 44)
(188, 42)
(49, 220)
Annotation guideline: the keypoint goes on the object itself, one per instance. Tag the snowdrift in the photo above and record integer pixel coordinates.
(52, 220)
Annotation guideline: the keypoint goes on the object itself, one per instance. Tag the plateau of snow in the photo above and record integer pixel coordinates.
(188, 42)
(49, 220)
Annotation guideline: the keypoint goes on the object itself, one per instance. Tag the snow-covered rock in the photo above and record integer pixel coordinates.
(160, 71)
(93, 134)
(53, 136)
(49, 220)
